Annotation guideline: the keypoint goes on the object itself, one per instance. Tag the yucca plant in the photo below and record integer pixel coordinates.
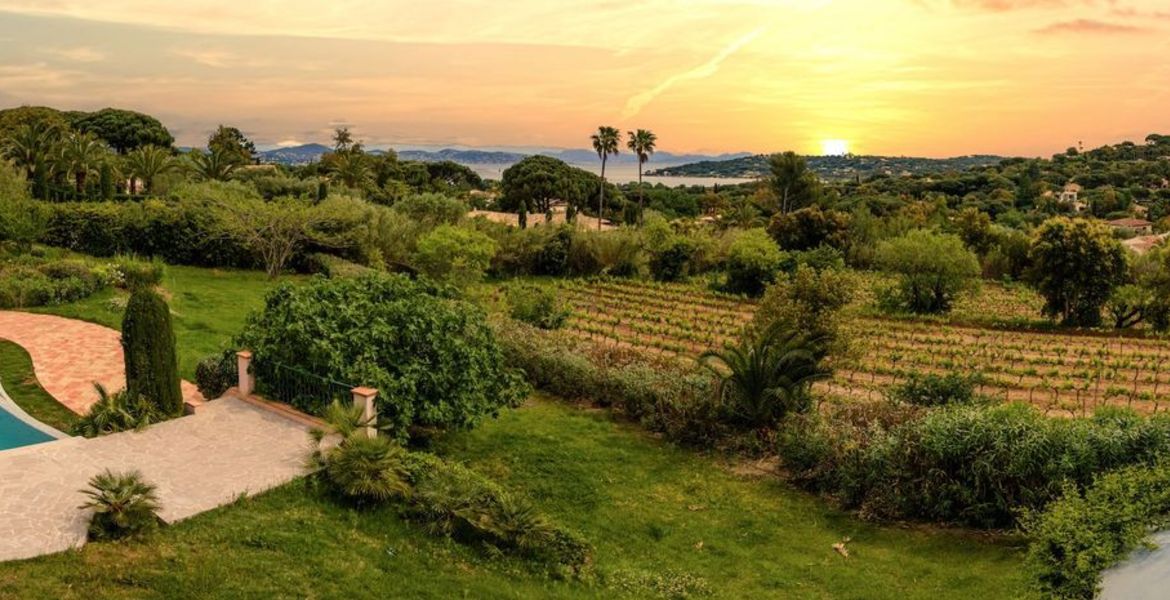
(122, 503)
(357, 467)
(767, 376)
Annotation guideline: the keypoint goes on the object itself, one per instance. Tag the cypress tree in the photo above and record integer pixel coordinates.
(148, 346)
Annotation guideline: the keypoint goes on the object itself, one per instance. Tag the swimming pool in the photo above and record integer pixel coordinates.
(18, 429)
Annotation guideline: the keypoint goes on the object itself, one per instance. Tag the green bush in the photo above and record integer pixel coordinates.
(964, 464)
(753, 261)
(933, 269)
(122, 503)
(672, 262)
(1078, 536)
(136, 274)
(617, 253)
(216, 373)
(30, 281)
(148, 346)
(455, 254)
(116, 412)
(434, 360)
(536, 305)
(935, 390)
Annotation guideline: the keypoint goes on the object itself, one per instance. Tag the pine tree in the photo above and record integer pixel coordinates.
(148, 346)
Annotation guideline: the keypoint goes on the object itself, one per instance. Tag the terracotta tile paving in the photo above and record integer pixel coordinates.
(70, 355)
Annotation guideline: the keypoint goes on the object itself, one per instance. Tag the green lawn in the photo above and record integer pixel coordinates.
(16, 374)
(649, 509)
(208, 307)
(652, 511)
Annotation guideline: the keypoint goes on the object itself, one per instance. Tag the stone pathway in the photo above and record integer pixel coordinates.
(230, 447)
(68, 356)
(1145, 575)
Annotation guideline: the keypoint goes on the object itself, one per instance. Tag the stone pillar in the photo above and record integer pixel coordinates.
(363, 397)
(247, 381)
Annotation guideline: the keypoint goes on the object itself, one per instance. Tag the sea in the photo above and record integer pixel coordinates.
(623, 173)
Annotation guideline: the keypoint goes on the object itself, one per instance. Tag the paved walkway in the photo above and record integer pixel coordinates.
(68, 356)
(228, 448)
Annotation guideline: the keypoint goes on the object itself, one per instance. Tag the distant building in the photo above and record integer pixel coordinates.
(1070, 197)
(1137, 226)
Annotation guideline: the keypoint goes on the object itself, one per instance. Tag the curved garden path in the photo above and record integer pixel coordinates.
(69, 356)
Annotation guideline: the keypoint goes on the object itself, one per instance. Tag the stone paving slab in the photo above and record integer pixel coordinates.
(69, 356)
(227, 449)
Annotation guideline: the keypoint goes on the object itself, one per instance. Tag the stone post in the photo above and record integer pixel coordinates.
(247, 381)
(363, 397)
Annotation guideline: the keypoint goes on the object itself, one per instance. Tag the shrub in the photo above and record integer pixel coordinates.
(672, 262)
(966, 464)
(434, 360)
(935, 390)
(216, 373)
(432, 210)
(1078, 536)
(360, 468)
(455, 254)
(810, 302)
(1076, 264)
(933, 269)
(122, 504)
(753, 261)
(148, 345)
(116, 412)
(136, 274)
(618, 253)
(537, 306)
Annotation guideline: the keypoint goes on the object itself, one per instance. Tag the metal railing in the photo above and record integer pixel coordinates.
(306, 391)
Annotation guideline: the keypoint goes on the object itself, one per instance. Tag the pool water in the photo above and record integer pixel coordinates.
(15, 433)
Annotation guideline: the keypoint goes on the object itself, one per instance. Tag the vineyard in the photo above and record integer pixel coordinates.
(1062, 374)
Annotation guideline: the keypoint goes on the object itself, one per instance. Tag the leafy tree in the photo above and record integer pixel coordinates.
(342, 140)
(275, 230)
(455, 254)
(434, 360)
(605, 142)
(767, 377)
(974, 228)
(810, 227)
(22, 219)
(933, 269)
(534, 183)
(148, 346)
(642, 143)
(233, 142)
(753, 261)
(147, 163)
(791, 180)
(1076, 264)
(808, 302)
(81, 155)
(124, 130)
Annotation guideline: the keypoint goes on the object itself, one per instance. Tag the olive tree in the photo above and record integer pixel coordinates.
(932, 268)
(1076, 265)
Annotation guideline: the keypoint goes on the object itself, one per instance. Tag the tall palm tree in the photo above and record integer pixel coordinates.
(351, 168)
(605, 142)
(30, 146)
(214, 166)
(145, 163)
(642, 143)
(80, 155)
(767, 376)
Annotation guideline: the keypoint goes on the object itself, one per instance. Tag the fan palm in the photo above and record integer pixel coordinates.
(122, 503)
(358, 467)
(145, 164)
(352, 169)
(605, 142)
(642, 143)
(767, 376)
(80, 155)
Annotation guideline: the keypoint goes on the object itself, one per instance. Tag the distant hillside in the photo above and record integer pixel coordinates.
(831, 167)
(294, 155)
(464, 157)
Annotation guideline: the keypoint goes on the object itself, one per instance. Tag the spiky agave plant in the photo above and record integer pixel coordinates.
(122, 503)
(765, 377)
(357, 467)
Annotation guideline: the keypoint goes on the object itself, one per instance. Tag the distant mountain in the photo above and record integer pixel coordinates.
(463, 157)
(294, 155)
(831, 167)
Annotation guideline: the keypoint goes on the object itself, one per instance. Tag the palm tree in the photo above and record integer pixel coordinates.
(30, 146)
(768, 375)
(642, 143)
(350, 168)
(122, 503)
(145, 164)
(80, 155)
(214, 166)
(605, 142)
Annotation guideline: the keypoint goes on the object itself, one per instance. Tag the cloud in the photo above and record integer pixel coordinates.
(636, 103)
(83, 54)
(1090, 26)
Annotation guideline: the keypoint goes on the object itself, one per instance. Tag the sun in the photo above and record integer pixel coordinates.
(834, 147)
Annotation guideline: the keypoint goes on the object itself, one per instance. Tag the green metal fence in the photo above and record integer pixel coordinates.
(306, 391)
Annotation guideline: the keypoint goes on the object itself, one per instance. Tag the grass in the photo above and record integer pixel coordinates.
(648, 507)
(16, 374)
(208, 307)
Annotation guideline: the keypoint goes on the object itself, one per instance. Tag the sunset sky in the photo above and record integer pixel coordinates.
(916, 77)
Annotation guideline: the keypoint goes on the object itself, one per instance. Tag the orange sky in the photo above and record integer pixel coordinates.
(922, 77)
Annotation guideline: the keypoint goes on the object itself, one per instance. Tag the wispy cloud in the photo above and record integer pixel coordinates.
(636, 103)
(1090, 26)
(83, 54)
